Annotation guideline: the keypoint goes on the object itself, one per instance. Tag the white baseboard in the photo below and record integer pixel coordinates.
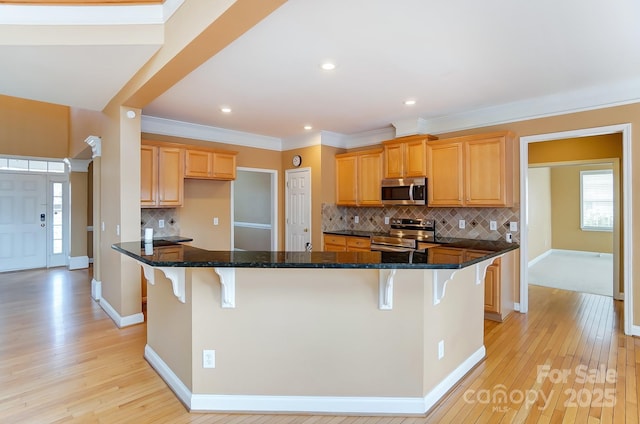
(634, 330)
(96, 289)
(78, 262)
(117, 318)
(310, 404)
(539, 258)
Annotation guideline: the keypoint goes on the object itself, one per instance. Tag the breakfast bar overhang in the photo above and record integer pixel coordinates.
(313, 332)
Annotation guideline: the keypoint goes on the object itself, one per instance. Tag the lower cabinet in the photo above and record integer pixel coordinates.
(337, 243)
(499, 280)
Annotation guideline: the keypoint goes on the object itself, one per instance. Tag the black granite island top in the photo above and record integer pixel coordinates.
(179, 255)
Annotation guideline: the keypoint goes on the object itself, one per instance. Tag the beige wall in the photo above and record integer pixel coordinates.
(565, 213)
(539, 230)
(83, 123)
(78, 183)
(29, 128)
(204, 200)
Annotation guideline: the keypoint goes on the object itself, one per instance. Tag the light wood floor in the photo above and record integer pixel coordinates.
(63, 360)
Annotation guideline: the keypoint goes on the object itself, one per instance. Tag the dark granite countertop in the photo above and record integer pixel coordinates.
(167, 240)
(179, 255)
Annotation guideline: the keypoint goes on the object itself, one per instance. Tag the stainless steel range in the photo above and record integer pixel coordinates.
(405, 235)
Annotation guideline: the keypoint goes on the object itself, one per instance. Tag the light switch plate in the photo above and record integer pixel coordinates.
(215, 221)
(513, 226)
(493, 225)
(386, 220)
(356, 219)
(161, 223)
(461, 224)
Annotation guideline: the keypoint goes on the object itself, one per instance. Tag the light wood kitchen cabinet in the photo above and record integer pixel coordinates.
(406, 156)
(213, 165)
(499, 283)
(161, 176)
(358, 178)
(474, 171)
(338, 243)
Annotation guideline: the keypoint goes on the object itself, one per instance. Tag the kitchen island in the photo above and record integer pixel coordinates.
(317, 332)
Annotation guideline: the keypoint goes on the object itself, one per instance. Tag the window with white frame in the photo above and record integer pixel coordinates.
(596, 200)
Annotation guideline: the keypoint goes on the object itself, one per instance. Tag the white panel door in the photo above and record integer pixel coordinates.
(23, 232)
(298, 207)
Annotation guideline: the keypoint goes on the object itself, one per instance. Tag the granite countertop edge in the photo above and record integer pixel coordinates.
(200, 258)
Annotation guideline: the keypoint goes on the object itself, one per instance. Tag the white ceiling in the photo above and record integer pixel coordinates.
(496, 59)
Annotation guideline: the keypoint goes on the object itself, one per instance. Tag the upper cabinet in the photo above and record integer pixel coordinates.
(406, 156)
(473, 171)
(164, 166)
(358, 178)
(206, 164)
(161, 176)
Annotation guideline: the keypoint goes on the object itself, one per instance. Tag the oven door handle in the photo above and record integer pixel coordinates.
(411, 192)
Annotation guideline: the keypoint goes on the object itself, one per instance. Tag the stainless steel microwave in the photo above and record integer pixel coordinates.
(404, 191)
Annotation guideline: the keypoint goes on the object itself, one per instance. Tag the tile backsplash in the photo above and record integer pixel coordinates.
(476, 219)
(150, 218)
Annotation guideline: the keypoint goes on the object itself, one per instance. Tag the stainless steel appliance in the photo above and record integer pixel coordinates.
(404, 191)
(405, 235)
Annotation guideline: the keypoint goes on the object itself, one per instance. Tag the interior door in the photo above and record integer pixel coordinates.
(298, 207)
(23, 221)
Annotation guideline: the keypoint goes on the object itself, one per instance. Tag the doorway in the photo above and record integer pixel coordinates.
(33, 220)
(298, 210)
(255, 211)
(574, 214)
(625, 210)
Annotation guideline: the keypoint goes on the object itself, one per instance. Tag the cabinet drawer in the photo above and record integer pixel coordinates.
(336, 240)
(359, 242)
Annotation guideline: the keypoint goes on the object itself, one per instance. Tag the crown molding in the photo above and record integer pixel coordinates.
(591, 98)
(369, 138)
(170, 127)
(78, 165)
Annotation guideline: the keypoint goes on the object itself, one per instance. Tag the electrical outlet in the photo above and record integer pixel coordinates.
(118, 229)
(461, 224)
(356, 219)
(208, 358)
(441, 349)
(215, 220)
(513, 226)
(102, 226)
(493, 225)
(386, 220)
(161, 223)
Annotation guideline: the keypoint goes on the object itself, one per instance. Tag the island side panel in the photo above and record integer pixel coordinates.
(458, 320)
(169, 326)
(309, 332)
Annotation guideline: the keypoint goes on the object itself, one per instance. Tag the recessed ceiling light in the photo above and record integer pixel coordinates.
(225, 109)
(410, 102)
(328, 66)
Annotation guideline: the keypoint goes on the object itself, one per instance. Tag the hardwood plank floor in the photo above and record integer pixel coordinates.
(63, 360)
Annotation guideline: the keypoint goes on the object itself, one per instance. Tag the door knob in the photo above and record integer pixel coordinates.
(306, 230)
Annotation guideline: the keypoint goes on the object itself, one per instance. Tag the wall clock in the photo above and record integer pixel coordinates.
(297, 160)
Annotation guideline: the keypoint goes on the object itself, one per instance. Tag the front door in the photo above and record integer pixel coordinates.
(23, 232)
(298, 207)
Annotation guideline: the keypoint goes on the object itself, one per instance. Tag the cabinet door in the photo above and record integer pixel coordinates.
(197, 164)
(492, 288)
(485, 179)
(393, 160)
(369, 179)
(333, 243)
(445, 176)
(224, 166)
(170, 176)
(148, 176)
(415, 159)
(346, 180)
